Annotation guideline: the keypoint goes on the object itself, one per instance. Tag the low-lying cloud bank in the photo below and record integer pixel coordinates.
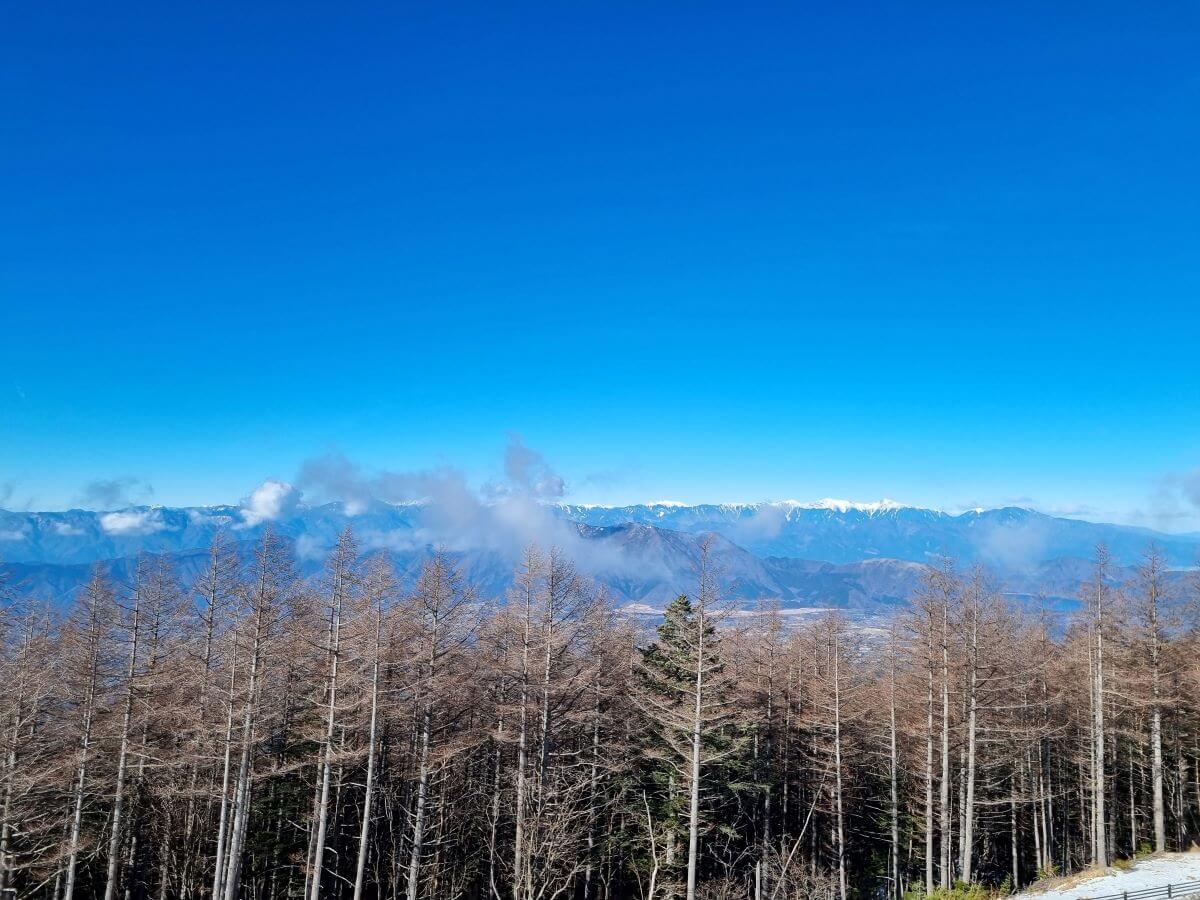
(132, 522)
(502, 516)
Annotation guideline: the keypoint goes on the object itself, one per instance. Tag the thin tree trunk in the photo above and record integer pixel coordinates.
(85, 749)
(365, 834)
(114, 842)
(10, 773)
(894, 868)
(1133, 829)
(241, 810)
(694, 800)
(334, 652)
(212, 595)
(945, 782)
(519, 879)
(968, 829)
(837, 766)
(1014, 835)
(1156, 754)
(929, 844)
(218, 884)
(592, 781)
(1100, 839)
(1037, 809)
(414, 859)
(495, 823)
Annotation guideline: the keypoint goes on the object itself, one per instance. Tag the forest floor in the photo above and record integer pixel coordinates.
(1152, 872)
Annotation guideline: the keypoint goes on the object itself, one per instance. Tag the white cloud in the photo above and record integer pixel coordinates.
(398, 541)
(504, 516)
(66, 529)
(269, 501)
(132, 521)
(1175, 505)
(1016, 545)
(310, 547)
(528, 471)
(14, 534)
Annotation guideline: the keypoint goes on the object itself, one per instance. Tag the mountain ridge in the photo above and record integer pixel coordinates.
(834, 530)
(862, 557)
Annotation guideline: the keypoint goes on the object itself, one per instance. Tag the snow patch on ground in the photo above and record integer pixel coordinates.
(1156, 872)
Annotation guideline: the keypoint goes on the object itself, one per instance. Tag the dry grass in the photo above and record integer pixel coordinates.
(1075, 879)
(1067, 881)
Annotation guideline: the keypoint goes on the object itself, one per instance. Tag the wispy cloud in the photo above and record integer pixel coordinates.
(1189, 486)
(528, 472)
(334, 477)
(1175, 502)
(10, 500)
(502, 516)
(114, 493)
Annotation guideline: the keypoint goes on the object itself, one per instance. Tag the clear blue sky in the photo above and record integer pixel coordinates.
(943, 252)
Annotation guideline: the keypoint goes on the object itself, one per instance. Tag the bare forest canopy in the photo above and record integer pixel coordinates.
(249, 732)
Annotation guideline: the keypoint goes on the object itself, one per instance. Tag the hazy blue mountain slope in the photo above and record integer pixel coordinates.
(641, 565)
(1010, 538)
(836, 531)
(832, 554)
(82, 536)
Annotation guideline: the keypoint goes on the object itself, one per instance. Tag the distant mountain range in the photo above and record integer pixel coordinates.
(859, 557)
(843, 532)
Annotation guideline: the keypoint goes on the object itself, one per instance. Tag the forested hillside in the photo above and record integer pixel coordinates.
(240, 731)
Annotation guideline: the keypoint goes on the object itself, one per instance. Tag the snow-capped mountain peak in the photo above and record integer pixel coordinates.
(844, 506)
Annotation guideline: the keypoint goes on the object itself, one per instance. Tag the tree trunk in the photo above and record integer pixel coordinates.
(414, 859)
(11, 758)
(894, 868)
(929, 844)
(694, 787)
(1014, 835)
(213, 595)
(364, 835)
(519, 864)
(968, 830)
(1133, 829)
(1100, 839)
(837, 767)
(1156, 754)
(241, 807)
(218, 884)
(495, 823)
(114, 843)
(85, 748)
(333, 649)
(592, 781)
(944, 809)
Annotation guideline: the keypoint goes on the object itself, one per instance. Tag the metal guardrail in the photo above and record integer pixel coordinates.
(1170, 891)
